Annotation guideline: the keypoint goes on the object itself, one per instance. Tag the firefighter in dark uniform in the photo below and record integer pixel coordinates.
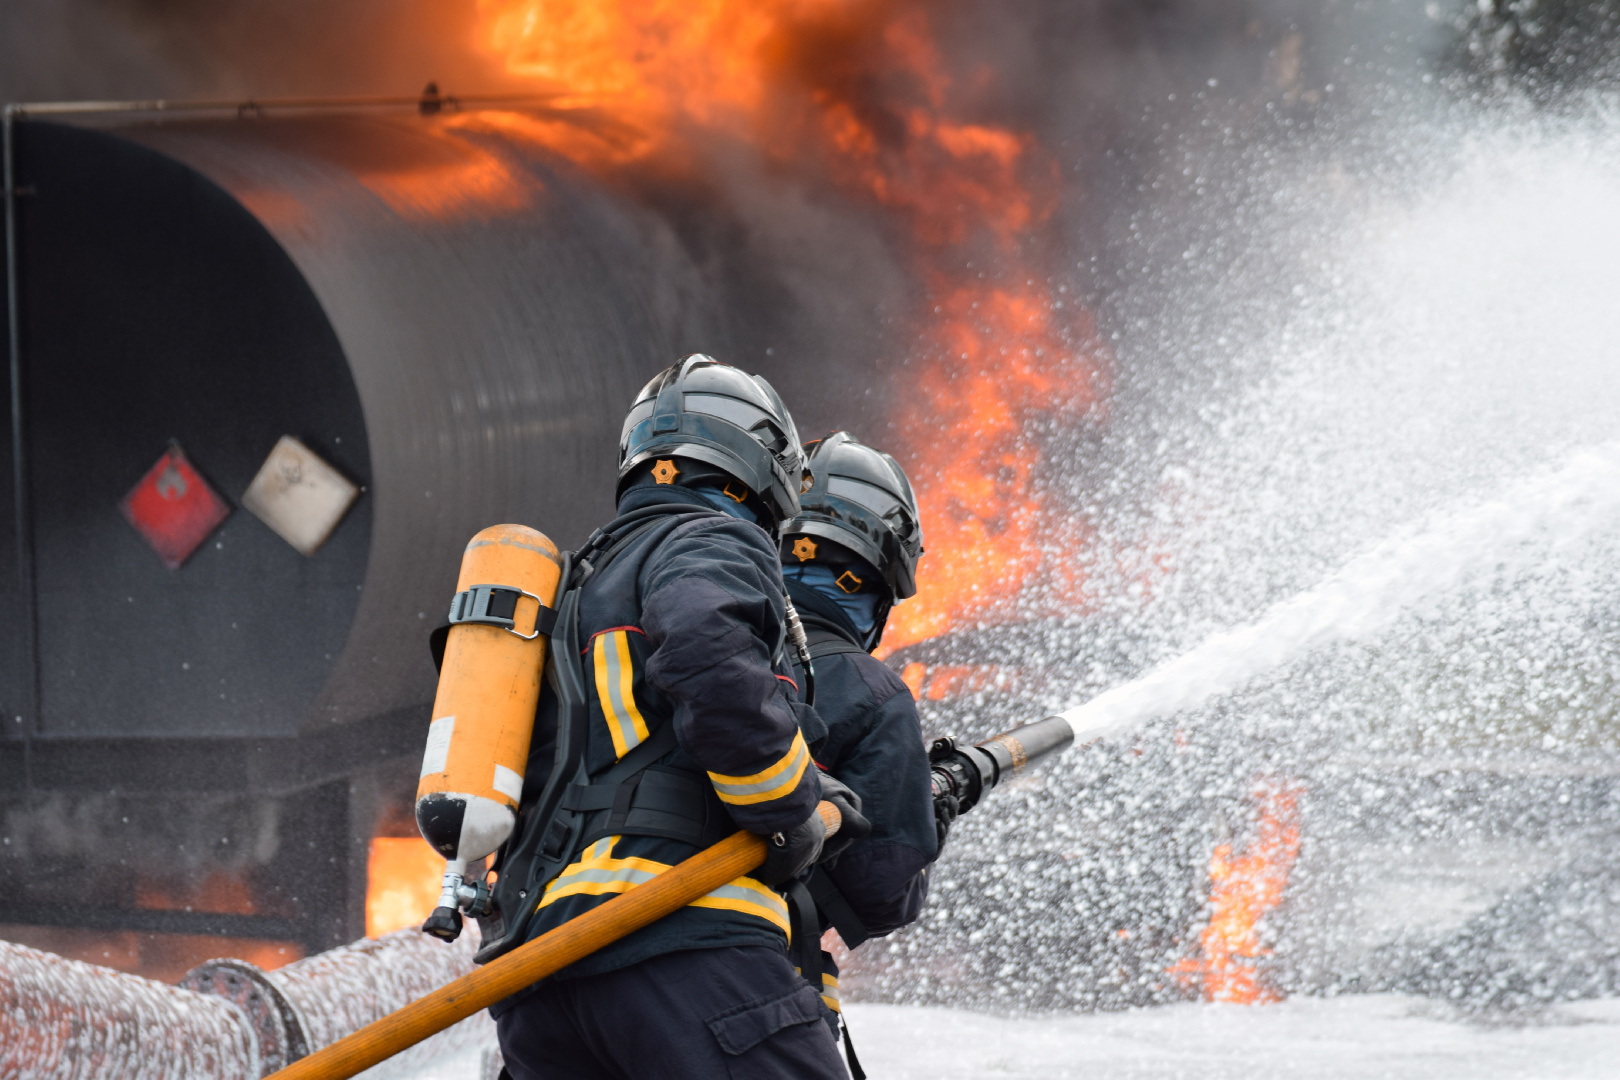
(669, 720)
(847, 557)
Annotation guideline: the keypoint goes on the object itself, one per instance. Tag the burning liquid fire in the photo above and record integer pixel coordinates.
(1244, 887)
(859, 96)
(859, 93)
(403, 875)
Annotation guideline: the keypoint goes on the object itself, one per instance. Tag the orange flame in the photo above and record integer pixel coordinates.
(220, 891)
(858, 91)
(403, 875)
(1242, 890)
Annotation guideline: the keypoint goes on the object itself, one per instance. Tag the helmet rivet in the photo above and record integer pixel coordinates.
(804, 548)
(665, 471)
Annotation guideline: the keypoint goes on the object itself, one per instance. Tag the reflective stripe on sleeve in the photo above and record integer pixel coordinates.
(615, 681)
(773, 783)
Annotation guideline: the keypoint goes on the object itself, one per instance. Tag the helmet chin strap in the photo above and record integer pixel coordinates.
(879, 621)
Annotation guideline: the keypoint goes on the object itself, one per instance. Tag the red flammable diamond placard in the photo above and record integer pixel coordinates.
(174, 508)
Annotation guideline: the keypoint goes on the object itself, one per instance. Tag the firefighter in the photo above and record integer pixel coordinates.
(847, 558)
(691, 728)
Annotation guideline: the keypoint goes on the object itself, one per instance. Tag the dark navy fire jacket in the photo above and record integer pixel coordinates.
(681, 627)
(873, 744)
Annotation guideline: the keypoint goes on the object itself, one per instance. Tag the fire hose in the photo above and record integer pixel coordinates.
(965, 773)
(670, 891)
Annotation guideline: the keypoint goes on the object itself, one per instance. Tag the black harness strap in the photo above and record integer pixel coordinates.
(855, 1070)
(828, 643)
(539, 849)
(806, 951)
(828, 900)
(637, 797)
(836, 910)
(806, 944)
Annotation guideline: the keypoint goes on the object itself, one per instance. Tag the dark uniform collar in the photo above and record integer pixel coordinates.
(634, 498)
(823, 612)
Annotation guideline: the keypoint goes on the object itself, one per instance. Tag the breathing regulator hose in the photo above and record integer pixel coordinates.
(801, 646)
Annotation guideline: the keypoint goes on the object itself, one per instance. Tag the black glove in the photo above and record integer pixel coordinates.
(946, 807)
(788, 853)
(854, 825)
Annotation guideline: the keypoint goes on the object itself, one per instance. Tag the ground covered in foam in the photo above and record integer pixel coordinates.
(1378, 1035)
(1382, 1036)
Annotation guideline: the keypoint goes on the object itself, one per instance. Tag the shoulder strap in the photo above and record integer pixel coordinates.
(550, 829)
(827, 643)
(836, 909)
(804, 944)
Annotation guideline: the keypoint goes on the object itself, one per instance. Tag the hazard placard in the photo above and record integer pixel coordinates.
(299, 495)
(173, 508)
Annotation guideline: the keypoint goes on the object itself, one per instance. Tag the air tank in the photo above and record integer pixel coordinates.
(483, 713)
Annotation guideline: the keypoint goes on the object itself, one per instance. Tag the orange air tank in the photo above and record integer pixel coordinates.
(483, 714)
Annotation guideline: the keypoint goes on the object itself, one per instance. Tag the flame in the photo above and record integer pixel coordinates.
(220, 892)
(998, 367)
(649, 58)
(1243, 888)
(403, 875)
(858, 92)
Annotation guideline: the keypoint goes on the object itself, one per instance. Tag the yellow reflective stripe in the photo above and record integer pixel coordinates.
(605, 694)
(597, 873)
(627, 695)
(748, 896)
(829, 983)
(773, 783)
(615, 689)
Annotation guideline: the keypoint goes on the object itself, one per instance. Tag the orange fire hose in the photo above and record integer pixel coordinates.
(632, 909)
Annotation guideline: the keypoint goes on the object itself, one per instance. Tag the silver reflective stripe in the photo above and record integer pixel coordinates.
(752, 896)
(615, 674)
(774, 780)
(623, 873)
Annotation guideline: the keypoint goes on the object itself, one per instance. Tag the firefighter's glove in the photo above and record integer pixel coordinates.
(854, 825)
(788, 853)
(946, 808)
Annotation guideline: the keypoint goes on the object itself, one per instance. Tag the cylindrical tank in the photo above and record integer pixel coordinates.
(454, 320)
(433, 314)
(483, 714)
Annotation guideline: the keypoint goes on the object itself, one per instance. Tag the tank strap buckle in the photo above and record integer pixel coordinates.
(496, 605)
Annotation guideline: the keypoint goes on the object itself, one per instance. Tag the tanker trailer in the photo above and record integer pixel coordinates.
(424, 310)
